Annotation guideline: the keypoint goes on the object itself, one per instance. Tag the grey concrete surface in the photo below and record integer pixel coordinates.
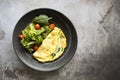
(97, 23)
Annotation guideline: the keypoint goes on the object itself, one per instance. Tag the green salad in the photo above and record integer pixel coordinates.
(35, 32)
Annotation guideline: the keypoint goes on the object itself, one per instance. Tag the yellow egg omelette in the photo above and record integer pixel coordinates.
(52, 46)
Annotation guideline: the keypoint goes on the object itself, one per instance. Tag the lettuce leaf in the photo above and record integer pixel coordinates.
(32, 36)
(42, 20)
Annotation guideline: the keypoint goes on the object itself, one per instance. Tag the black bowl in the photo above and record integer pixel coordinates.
(62, 22)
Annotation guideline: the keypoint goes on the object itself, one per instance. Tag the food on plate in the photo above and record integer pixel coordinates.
(42, 38)
(52, 46)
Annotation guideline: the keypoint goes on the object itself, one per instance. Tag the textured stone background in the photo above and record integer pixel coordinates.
(98, 27)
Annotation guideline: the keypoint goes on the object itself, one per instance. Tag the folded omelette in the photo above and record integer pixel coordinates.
(52, 47)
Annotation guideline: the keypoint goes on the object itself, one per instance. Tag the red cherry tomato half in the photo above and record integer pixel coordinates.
(21, 36)
(35, 47)
(37, 26)
(52, 26)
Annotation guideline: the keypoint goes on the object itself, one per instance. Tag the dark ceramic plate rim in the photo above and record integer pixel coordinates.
(72, 44)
